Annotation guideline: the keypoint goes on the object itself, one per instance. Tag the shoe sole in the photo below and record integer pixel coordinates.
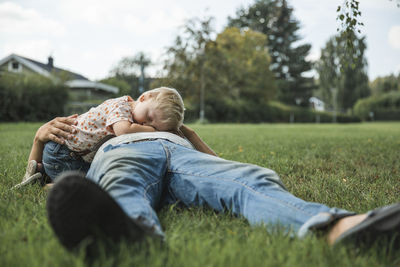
(30, 180)
(384, 221)
(79, 210)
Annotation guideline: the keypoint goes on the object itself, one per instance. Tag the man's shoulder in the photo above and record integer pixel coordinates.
(133, 137)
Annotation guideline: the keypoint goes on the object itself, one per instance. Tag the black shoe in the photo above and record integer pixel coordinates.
(80, 212)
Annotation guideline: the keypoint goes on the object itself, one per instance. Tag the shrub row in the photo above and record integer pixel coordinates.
(35, 98)
(386, 115)
(30, 98)
(254, 113)
(383, 107)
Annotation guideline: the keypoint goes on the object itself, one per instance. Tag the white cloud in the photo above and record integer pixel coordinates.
(15, 19)
(378, 4)
(142, 17)
(394, 36)
(312, 15)
(40, 49)
(157, 21)
(91, 36)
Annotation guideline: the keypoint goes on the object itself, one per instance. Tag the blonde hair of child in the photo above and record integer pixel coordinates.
(170, 104)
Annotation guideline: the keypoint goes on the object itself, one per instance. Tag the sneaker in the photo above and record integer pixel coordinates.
(30, 176)
(82, 213)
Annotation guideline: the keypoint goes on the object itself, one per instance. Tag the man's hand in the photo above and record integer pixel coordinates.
(57, 130)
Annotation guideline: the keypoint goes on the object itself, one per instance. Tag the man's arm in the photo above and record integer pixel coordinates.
(196, 141)
(56, 130)
(125, 127)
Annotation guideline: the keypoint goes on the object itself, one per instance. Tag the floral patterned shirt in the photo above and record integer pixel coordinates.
(97, 123)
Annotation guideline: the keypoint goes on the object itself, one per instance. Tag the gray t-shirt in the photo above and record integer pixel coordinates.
(133, 137)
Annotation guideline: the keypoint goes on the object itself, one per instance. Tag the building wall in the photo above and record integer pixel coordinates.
(88, 95)
(21, 68)
(82, 99)
(79, 99)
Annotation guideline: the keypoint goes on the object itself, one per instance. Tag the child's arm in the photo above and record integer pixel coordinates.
(56, 130)
(36, 151)
(124, 127)
(196, 141)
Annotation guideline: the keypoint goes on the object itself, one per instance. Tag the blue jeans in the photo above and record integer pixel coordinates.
(144, 175)
(57, 158)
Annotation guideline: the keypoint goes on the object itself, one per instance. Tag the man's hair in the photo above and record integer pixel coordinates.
(170, 104)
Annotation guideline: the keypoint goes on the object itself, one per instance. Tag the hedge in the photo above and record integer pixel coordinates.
(383, 107)
(216, 111)
(36, 98)
(29, 97)
(386, 115)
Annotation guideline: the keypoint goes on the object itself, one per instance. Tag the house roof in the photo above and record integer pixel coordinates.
(79, 83)
(75, 80)
(42, 68)
(73, 75)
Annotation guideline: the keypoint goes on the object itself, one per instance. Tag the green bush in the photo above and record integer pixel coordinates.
(241, 111)
(387, 114)
(28, 97)
(383, 107)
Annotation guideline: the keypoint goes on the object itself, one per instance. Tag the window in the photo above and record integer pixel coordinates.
(14, 66)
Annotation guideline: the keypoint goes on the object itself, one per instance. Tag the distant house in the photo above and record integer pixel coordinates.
(83, 92)
(317, 104)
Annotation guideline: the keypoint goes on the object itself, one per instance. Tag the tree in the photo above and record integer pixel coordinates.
(132, 70)
(185, 66)
(233, 68)
(336, 75)
(142, 61)
(382, 85)
(349, 16)
(240, 63)
(275, 19)
(124, 87)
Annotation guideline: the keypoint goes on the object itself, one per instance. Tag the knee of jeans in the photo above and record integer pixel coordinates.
(56, 164)
(52, 169)
(274, 177)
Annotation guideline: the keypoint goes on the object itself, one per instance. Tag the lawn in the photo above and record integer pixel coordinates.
(352, 166)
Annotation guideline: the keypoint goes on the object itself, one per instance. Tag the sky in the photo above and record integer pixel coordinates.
(90, 36)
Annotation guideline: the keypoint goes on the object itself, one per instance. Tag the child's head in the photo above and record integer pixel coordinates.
(161, 108)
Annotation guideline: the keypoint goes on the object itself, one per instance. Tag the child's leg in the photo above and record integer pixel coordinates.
(58, 158)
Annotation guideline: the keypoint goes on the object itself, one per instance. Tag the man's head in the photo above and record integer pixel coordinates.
(161, 108)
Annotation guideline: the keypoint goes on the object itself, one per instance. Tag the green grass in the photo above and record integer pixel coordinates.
(353, 166)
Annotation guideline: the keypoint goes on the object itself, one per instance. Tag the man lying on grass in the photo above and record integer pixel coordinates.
(133, 175)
